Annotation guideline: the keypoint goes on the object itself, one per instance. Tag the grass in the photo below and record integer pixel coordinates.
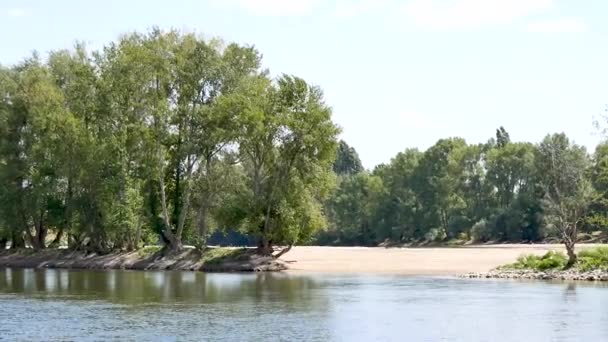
(593, 259)
(588, 260)
(214, 256)
(149, 251)
(550, 261)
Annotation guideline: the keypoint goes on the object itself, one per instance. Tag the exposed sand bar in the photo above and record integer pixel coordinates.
(410, 261)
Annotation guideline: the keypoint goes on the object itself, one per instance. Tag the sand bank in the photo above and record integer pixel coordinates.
(412, 261)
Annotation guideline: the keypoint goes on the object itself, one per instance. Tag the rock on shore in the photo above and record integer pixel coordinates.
(595, 275)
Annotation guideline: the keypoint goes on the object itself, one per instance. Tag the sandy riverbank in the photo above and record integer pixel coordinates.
(362, 260)
(412, 261)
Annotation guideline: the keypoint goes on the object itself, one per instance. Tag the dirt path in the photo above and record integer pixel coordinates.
(419, 261)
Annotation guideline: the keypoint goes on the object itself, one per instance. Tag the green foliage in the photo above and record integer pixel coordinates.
(353, 207)
(148, 251)
(550, 261)
(287, 150)
(151, 137)
(593, 258)
(499, 191)
(347, 160)
(588, 259)
(215, 256)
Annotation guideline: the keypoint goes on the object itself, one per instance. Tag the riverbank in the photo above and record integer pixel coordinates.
(212, 260)
(436, 261)
(595, 275)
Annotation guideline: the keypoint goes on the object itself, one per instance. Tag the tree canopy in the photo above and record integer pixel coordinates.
(154, 138)
(165, 137)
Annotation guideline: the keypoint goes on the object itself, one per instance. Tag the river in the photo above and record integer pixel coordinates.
(65, 305)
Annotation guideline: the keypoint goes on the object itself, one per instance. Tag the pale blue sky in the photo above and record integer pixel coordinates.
(398, 74)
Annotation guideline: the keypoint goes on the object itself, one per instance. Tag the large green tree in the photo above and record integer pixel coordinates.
(287, 148)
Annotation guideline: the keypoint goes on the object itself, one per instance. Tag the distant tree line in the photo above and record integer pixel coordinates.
(160, 137)
(499, 191)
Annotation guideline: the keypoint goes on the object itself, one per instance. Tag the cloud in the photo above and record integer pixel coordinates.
(470, 14)
(350, 8)
(271, 7)
(557, 26)
(16, 12)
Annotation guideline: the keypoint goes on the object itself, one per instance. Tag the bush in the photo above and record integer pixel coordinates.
(435, 234)
(481, 232)
(551, 260)
(593, 258)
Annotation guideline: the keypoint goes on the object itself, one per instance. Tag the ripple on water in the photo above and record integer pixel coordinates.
(60, 305)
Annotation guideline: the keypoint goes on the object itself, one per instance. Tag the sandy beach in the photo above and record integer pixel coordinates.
(410, 261)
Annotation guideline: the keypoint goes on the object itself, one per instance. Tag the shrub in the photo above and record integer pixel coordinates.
(551, 260)
(481, 232)
(435, 234)
(593, 258)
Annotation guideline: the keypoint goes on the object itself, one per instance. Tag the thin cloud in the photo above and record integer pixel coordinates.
(350, 8)
(565, 25)
(271, 7)
(16, 12)
(413, 119)
(470, 14)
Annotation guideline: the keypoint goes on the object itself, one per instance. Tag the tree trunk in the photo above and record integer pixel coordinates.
(17, 240)
(569, 235)
(138, 234)
(3, 242)
(41, 232)
(66, 216)
(57, 240)
(571, 254)
(41, 237)
(202, 225)
(283, 251)
(265, 247)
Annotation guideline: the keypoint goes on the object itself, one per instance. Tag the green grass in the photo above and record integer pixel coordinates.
(214, 256)
(149, 251)
(550, 261)
(593, 258)
(588, 260)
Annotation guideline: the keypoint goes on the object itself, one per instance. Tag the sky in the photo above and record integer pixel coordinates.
(397, 74)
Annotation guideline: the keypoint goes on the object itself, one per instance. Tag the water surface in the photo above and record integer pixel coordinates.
(60, 305)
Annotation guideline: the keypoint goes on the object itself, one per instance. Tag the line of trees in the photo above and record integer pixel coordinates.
(497, 191)
(160, 136)
(167, 137)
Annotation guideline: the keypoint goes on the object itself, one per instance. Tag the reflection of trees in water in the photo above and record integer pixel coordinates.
(570, 292)
(138, 287)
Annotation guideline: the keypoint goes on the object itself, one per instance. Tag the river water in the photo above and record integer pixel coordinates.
(63, 305)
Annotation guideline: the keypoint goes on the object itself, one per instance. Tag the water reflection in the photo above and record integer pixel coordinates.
(570, 292)
(158, 287)
(144, 306)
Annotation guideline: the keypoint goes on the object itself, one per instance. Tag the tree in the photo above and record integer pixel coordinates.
(567, 191)
(31, 148)
(287, 149)
(399, 214)
(438, 178)
(158, 133)
(354, 206)
(347, 160)
(502, 137)
(598, 211)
